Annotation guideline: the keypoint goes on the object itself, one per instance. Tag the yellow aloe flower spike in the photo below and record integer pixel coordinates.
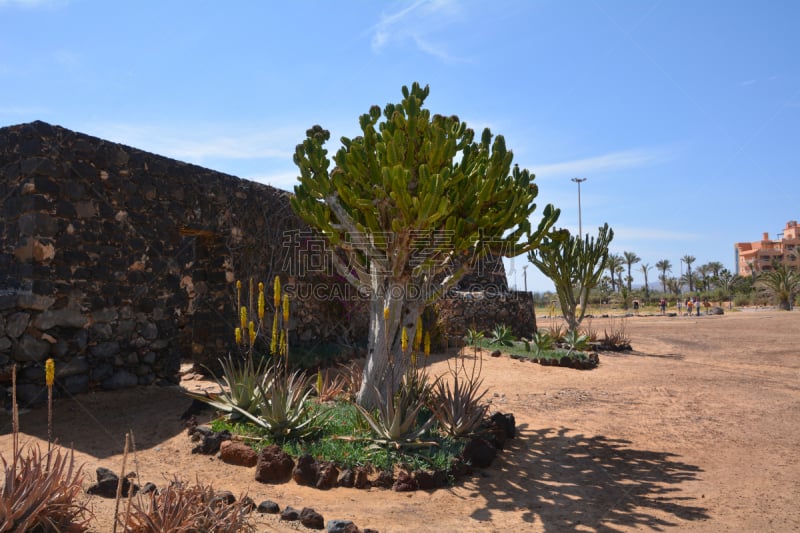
(276, 289)
(49, 372)
(273, 344)
(262, 303)
(252, 332)
(283, 342)
(238, 333)
(418, 334)
(243, 317)
(414, 359)
(404, 340)
(386, 314)
(427, 344)
(286, 310)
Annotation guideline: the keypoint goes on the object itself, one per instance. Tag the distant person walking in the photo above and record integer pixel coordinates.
(663, 305)
(697, 305)
(688, 307)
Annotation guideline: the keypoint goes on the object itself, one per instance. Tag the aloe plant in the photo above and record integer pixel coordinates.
(457, 404)
(542, 340)
(395, 421)
(473, 337)
(284, 410)
(243, 382)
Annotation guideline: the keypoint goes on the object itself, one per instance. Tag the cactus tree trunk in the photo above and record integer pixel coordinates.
(386, 360)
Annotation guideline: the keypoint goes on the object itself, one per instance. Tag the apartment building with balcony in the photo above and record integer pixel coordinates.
(758, 256)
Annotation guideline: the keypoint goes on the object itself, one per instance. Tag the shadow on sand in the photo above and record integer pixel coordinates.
(563, 481)
(96, 423)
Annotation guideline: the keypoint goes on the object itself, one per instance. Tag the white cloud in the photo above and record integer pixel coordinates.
(281, 180)
(602, 163)
(33, 111)
(201, 143)
(31, 4)
(626, 233)
(416, 23)
(747, 82)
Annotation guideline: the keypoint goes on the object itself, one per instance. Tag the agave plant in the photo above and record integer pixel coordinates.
(575, 341)
(284, 410)
(243, 383)
(395, 422)
(502, 335)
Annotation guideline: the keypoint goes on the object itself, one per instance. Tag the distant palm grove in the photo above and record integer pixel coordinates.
(710, 281)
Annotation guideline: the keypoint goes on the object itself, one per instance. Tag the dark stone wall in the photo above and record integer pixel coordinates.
(482, 311)
(120, 264)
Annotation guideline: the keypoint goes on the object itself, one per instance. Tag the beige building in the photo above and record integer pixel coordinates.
(758, 256)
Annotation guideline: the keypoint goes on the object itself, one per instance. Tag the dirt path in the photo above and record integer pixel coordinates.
(697, 430)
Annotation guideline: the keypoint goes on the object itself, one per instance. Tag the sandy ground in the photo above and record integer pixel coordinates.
(697, 430)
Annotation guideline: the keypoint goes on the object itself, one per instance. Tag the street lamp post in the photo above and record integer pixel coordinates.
(525, 277)
(580, 229)
(580, 224)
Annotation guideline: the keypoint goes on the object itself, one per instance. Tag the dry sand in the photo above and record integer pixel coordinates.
(697, 430)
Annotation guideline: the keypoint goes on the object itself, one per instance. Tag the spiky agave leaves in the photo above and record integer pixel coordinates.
(457, 405)
(243, 382)
(395, 422)
(284, 410)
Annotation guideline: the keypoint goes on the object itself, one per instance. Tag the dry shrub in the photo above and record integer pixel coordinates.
(40, 491)
(331, 384)
(35, 498)
(182, 507)
(557, 333)
(617, 338)
(352, 373)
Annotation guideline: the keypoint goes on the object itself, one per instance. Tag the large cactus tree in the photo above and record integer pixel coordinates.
(409, 207)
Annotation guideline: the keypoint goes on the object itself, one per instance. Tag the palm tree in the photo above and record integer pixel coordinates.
(782, 283)
(716, 267)
(620, 270)
(689, 259)
(630, 259)
(674, 285)
(614, 261)
(645, 267)
(689, 278)
(664, 266)
(704, 276)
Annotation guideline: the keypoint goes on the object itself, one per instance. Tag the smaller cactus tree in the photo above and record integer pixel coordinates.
(575, 266)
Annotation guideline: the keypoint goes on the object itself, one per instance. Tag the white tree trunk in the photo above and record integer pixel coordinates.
(386, 361)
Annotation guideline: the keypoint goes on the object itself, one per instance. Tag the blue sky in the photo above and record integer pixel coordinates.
(684, 117)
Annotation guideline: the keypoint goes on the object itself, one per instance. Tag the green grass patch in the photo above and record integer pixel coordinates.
(345, 438)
